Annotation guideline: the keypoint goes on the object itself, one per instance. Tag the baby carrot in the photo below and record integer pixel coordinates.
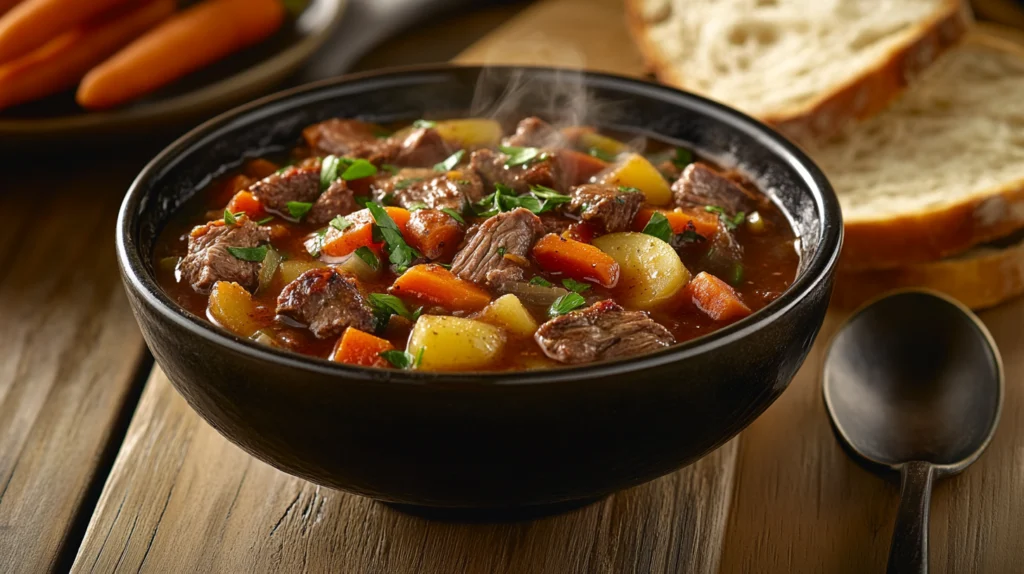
(33, 23)
(61, 62)
(358, 348)
(716, 298)
(189, 40)
(578, 260)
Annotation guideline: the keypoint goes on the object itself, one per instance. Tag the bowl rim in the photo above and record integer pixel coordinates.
(817, 269)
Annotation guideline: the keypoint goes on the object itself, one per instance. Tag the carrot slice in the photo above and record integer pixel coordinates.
(247, 203)
(704, 224)
(580, 261)
(716, 298)
(359, 348)
(438, 286)
(191, 39)
(578, 167)
(61, 62)
(33, 23)
(360, 234)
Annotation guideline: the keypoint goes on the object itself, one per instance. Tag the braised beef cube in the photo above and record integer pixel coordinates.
(326, 301)
(535, 132)
(494, 249)
(700, 185)
(337, 200)
(452, 190)
(295, 183)
(209, 261)
(607, 207)
(601, 332)
(554, 223)
(350, 138)
(423, 147)
(434, 233)
(490, 165)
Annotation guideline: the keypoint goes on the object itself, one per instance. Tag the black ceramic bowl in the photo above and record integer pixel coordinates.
(488, 439)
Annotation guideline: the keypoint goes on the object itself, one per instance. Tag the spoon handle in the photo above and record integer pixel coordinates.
(909, 551)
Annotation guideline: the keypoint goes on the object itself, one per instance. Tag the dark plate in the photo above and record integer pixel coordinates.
(226, 83)
(494, 440)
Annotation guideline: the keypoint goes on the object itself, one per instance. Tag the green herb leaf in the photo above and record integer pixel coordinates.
(450, 163)
(401, 359)
(253, 254)
(538, 280)
(730, 223)
(269, 268)
(399, 252)
(362, 199)
(737, 274)
(265, 220)
(566, 303)
(316, 244)
(390, 168)
(416, 205)
(388, 198)
(359, 169)
(627, 189)
(340, 223)
(689, 235)
(368, 257)
(522, 155)
(393, 305)
(328, 171)
(659, 227)
(454, 214)
(423, 124)
(601, 154)
(502, 251)
(683, 158)
(575, 286)
(298, 209)
(229, 218)
(405, 183)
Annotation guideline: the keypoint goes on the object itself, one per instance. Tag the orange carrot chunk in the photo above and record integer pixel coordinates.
(189, 40)
(580, 261)
(359, 348)
(578, 167)
(716, 298)
(247, 203)
(360, 233)
(704, 224)
(438, 286)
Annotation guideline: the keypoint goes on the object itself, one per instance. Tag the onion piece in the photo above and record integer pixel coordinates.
(531, 294)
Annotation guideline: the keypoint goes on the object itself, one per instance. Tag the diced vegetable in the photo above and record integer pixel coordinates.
(454, 343)
(245, 202)
(651, 271)
(359, 348)
(268, 269)
(470, 132)
(361, 234)
(534, 293)
(586, 137)
(633, 170)
(360, 267)
(292, 268)
(716, 298)
(704, 224)
(508, 312)
(578, 167)
(436, 285)
(577, 260)
(232, 307)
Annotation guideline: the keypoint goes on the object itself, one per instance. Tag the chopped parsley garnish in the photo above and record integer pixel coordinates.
(730, 223)
(575, 286)
(399, 252)
(253, 254)
(340, 223)
(405, 183)
(362, 199)
(501, 251)
(390, 168)
(689, 235)
(388, 198)
(265, 220)
(566, 303)
(416, 206)
(298, 209)
(423, 124)
(737, 274)
(359, 169)
(450, 163)
(454, 214)
(540, 199)
(659, 227)
(522, 155)
(328, 171)
(402, 359)
(601, 154)
(627, 189)
(683, 158)
(316, 244)
(538, 280)
(232, 218)
(393, 306)
(368, 257)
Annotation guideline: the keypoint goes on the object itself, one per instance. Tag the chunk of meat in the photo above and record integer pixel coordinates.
(494, 248)
(423, 147)
(339, 199)
(554, 222)
(209, 261)
(434, 233)
(535, 132)
(296, 183)
(700, 185)
(326, 301)
(606, 206)
(601, 332)
(452, 190)
(490, 165)
(351, 138)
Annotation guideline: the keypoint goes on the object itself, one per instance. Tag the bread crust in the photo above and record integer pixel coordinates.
(980, 279)
(860, 97)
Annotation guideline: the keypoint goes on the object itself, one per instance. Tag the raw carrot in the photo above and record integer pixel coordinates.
(360, 234)
(704, 224)
(716, 298)
(190, 40)
(359, 348)
(245, 202)
(578, 260)
(33, 23)
(436, 285)
(64, 60)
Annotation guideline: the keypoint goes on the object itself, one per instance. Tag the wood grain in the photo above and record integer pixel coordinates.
(69, 350)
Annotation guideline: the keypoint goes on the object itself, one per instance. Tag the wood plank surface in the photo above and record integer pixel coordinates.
(69, 351)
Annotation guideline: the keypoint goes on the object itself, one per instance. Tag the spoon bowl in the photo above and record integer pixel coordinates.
(913, 382)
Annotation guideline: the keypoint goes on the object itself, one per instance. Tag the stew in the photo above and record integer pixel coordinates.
(458, 245)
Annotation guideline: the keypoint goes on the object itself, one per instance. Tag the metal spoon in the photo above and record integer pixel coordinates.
(914, 383)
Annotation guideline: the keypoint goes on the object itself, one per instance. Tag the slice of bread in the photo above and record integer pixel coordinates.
(980, 278)
(942, 169)
(809, 67)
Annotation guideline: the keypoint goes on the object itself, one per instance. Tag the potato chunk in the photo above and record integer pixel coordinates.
(470, 132)
(633, 170)
(232, 307)
(651, 271)
(508, 312)
(454, 343)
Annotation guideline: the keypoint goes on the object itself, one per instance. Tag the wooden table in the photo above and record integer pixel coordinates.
(82, 489)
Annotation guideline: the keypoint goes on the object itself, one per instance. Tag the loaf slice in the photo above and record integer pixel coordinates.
(980, 278)
(942, 169)
(809, 67)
